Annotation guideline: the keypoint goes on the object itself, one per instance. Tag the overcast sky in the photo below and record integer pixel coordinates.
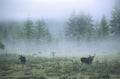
(52, 9)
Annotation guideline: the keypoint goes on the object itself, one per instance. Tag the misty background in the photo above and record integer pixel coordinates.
(66, 27)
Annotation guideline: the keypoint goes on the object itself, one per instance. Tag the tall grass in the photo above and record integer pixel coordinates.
(57, 68)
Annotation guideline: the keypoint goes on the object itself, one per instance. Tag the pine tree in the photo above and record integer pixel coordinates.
(104, 28)
(42, 31)
(79, 27)
(115, 21)
(29, 29)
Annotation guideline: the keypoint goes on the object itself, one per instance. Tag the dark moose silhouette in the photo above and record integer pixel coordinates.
(87, 60)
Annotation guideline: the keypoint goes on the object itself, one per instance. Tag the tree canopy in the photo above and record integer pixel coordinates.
(79, 27)
(115, 21)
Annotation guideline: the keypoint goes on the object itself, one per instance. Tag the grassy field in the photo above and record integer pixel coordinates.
(105, 67)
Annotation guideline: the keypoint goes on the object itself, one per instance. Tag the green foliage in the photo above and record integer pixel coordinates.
(115, 21)
(42, 31)
(97, 31)
(104, 28)
(29, 29)
(2, 46)
(37, 31)
(3, 31)
(79, 27)
(18, 32)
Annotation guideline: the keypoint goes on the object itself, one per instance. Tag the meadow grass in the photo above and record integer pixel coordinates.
(58, 68)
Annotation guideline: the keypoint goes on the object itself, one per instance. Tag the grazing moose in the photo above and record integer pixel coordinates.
(87, 60)
(22, 60)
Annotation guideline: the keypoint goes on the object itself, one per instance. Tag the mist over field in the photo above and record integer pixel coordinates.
(68, 28)
(65, 48)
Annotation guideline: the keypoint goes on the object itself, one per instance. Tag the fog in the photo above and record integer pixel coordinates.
(53, 9)
(65, 48)
(56, 13)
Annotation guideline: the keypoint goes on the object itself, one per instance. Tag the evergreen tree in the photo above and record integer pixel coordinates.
(3, 31)
(42, 31)
(97, 31)
(115, 21)
(18, 32)
(104, 28)
(29, 29)
(79, 27)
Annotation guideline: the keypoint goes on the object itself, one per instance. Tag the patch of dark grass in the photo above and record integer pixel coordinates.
(64, 77)
(27, 73)
(31, 77)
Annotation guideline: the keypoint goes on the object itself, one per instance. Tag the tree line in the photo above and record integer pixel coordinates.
(82, 26)
(28, 30)
(79, 27)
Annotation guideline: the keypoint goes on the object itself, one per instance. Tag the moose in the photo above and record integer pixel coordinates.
(87, 60)
(22, 60)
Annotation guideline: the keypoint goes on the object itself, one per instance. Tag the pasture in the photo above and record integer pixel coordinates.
(105, 67)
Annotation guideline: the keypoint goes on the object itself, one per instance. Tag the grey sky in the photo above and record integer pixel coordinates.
(53, 9)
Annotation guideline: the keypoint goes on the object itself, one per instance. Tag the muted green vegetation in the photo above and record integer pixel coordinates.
(78, 27)
(58, 68)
